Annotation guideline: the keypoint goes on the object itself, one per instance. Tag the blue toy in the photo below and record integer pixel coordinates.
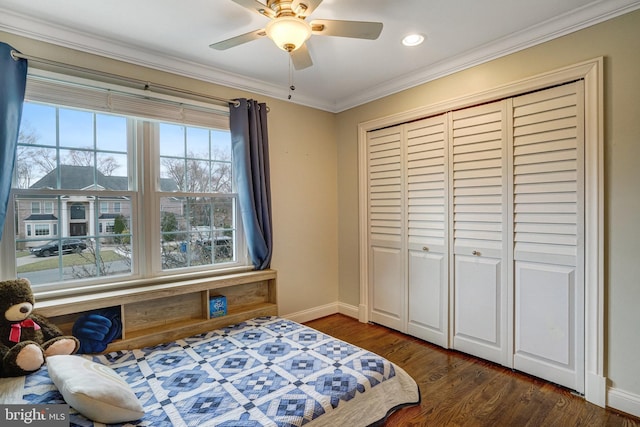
(96, 329)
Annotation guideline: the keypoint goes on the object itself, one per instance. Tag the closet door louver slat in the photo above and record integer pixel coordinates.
(385, 188)
(478, 178)
(545, 136)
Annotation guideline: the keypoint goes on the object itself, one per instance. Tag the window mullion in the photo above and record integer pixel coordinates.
(148, 242)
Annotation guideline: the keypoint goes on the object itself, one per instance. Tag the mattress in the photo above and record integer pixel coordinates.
(267, 371)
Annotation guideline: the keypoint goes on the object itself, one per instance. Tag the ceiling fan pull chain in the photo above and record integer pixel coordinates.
(291, 86)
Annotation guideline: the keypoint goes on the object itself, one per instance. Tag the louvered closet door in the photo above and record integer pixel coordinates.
(427, 248)
(387, 282)
(480, 236)
(548, 251)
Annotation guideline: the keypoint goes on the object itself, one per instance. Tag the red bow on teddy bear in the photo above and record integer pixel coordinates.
(16, 329)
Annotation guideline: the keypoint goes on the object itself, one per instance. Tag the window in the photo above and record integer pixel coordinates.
(42, 229)
(77, 211)
(82, 163)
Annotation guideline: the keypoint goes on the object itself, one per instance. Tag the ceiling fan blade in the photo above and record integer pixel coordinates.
(237, 40)
(354, 29)
(301, 58)
(257, 7)
(304, 7)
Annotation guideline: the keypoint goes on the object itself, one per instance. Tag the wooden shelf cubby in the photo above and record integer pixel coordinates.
(153, 314)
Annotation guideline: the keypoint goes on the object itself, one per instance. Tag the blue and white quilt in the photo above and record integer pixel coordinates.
(267, 371)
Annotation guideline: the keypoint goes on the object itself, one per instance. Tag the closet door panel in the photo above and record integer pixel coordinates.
(427, 296)
(478, 300)
(479, 204)
(548, 234)
(387, 289)
(545, 321)
(386, 228)
(426, 207)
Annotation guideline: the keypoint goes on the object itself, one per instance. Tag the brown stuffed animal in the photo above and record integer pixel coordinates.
(26, 339)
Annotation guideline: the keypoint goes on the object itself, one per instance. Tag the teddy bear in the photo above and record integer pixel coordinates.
(27, 339)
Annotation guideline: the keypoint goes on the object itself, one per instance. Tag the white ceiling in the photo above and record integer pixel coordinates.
(174, 35)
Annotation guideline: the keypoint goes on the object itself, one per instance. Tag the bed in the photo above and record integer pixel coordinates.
(267, 371)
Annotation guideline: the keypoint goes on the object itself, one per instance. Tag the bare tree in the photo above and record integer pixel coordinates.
(203, 176)
(23, 171)
(106, 165)
(193, 175)
(92, 264)
(221, 177)
(33, 161)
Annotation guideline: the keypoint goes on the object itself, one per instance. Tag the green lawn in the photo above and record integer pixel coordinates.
(67, 261)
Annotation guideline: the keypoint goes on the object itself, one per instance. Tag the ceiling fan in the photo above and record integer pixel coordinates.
(289, 30)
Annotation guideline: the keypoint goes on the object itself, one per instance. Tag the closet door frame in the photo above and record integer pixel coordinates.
(591, 72)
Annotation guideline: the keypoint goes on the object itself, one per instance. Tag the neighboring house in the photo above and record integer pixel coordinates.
(44, 218)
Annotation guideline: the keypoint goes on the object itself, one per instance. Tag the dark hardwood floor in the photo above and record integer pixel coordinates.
(460, 390)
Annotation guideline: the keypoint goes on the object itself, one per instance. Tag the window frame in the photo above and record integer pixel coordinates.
(144, 224)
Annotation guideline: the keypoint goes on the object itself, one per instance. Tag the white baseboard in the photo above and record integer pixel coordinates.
(322, 311)
(348, 310)
(623, 401)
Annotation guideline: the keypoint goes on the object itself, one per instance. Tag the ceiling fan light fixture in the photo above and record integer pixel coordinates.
(288, 32)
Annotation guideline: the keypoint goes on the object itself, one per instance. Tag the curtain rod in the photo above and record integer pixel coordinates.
(146, 85)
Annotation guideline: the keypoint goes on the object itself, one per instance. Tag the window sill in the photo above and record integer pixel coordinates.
(93, 291)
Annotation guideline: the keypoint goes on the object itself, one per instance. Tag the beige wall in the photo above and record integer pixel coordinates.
(303, 157)
(618, 41)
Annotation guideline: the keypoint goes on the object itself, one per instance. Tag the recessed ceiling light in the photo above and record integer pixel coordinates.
(413, 40)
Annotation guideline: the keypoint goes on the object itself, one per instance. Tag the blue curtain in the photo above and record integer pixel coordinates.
(13, 80)
(250, 145)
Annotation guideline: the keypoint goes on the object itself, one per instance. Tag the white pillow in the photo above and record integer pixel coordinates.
(94, 390)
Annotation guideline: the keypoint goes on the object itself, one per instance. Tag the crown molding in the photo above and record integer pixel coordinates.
(559, 26)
